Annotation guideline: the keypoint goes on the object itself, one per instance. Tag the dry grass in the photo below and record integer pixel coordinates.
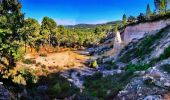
(63, 60)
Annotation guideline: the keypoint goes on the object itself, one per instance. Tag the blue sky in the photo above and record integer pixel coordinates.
(70, 12)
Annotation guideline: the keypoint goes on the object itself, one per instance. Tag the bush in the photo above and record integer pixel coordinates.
(59, 87)
(43, 55)
(29, 61)
(166, 68)
(56, 88)
(139, 67)
(20, 76)
(19, 54)
(94, 64)
(98, 86)
(166, 54)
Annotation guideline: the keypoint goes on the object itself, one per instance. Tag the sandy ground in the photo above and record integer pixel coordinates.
(62, 61)
(68, 58)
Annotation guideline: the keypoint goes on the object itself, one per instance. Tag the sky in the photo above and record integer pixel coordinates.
(71, 12)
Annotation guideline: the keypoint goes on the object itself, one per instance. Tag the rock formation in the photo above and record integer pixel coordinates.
(117, 41)
(138, 31)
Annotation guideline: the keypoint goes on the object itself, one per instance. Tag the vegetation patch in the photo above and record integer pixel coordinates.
(144, 47)
(59, 87)
(165, 55)
(94, 64)
(43, 55)
(166, 68)
(29, 61)
(106, 87)
(138, 67)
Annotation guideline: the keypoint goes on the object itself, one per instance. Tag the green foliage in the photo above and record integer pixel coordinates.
(10, 23)
(29, 61)
(105, 87)
(59, 87)
(166, 54)
(43, 55)
(20, 76)
(144, 47)
(166, 68)
(163, 6)
(94, 64)
(124, 20)
(139, 67)
(30, 32)
(56, 88)
(19, 54)
(148, 12)
(163, 56)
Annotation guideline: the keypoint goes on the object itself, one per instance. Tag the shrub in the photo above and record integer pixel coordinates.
(98, 86)
(29, 61)
(59, 87)
(166, 68)
(20, 76)
(139, 67)
(38, 64)
(56, 88)
(94, 64)
(43, 55)
(166, 54)
(19, 54)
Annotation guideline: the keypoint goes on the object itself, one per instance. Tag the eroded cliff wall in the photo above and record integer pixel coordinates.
(138, 31)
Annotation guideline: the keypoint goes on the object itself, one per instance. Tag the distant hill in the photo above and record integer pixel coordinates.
(91, 26)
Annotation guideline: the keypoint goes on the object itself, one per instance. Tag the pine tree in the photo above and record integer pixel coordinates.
(11, 20)
(163, 6)
(148, 11)
(48, 29)
(124, 19)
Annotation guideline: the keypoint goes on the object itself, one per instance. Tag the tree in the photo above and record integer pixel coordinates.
(48, 29)
(148, 12)
(141, 17)
(157, 6)
(124, 20)
(11, 20)
(30, 32)
(131, 19)
(163, 6)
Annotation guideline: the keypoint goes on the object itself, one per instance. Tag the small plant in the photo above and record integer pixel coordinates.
(94, 64)
(29, 61)
(38, 64)
(43, 55)
(166, 54)
(56, 88)
(166, 68)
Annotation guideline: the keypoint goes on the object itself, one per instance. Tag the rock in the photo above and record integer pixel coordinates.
(139, 73)
(167, 84)
(4, 93)
(155, 73)
(42, 88)
(153, 97)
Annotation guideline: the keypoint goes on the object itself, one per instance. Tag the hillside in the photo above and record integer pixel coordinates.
(128, 59)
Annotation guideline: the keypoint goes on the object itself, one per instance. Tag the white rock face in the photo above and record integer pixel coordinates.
(138, 31)
(117, 41)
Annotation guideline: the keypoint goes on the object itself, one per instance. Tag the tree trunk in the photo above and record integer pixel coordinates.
(11, 60)
(25, 46)
(49, 40)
